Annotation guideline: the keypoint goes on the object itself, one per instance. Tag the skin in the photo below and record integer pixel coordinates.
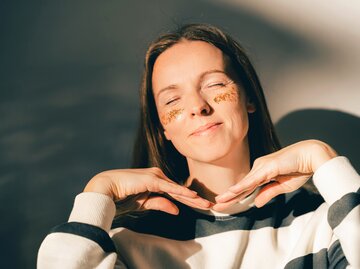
(171, 116)
(228, 96)
(192, 87)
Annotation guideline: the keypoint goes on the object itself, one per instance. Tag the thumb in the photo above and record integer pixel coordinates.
(268, 192)
(160, 203)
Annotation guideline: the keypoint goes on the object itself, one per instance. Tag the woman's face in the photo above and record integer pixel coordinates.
(202, 110)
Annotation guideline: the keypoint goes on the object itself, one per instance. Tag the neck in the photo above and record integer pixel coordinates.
(212, 178)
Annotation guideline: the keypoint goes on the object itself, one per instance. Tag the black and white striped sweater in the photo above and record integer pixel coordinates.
(296, 230)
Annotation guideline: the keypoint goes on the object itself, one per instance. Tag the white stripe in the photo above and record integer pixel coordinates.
(349, 233)
(262, 248)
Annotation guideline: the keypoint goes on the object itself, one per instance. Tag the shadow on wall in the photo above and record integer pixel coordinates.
(69, 75)
(339, 129)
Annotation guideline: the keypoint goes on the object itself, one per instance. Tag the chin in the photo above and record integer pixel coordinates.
(208, 155)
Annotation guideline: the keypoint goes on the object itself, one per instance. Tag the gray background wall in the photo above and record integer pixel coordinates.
(70, 72)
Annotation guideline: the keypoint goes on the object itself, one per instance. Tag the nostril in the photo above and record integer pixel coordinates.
(205, 111)
(201, 109)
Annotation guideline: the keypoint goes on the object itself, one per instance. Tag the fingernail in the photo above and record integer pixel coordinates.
(222, 196)
(176, 211)
(233, 188)
(206, 203)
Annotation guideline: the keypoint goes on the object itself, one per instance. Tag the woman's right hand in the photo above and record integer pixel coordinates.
(139, 189)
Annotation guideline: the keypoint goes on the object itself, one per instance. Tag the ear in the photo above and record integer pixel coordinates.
(250, 107)
(166, 135)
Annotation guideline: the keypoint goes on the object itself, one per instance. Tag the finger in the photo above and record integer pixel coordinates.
(197, 202)
(224, 205)
(237, 189)
(268, 192)
(230, 195)
(159, 173)
(131, 203)
(258, 178)
(160, 203)
(283, 184)
(162, 185)
(250, 182)
(225, 197)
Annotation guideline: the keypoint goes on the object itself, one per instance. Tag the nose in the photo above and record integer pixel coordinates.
(198, 105)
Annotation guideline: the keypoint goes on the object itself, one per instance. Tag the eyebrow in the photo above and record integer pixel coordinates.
(202, 75)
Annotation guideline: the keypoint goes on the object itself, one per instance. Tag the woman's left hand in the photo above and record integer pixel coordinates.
(285, 170)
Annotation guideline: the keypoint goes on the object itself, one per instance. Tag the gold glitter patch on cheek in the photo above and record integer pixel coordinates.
(171, 115)
(230, 96)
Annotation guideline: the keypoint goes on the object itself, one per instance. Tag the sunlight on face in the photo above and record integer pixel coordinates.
(201, 107)
(168, 117)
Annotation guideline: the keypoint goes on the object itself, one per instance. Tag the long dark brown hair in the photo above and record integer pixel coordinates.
(151, 146)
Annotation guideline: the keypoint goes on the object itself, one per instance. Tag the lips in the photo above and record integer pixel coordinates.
(205, 128)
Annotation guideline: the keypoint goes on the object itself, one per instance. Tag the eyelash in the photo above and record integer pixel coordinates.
(171, 101)
(219, 84)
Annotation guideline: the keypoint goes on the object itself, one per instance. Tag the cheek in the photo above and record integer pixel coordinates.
(230, 95)
(241, 121)
(173, 123)
(231, 104)
(171, 115)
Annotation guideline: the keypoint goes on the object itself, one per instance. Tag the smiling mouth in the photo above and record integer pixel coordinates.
(206, 129)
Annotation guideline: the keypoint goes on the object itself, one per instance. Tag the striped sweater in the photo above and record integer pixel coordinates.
(295, 230)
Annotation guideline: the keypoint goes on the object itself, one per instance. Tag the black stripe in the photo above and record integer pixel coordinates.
(342, 207)
(336, 256)
(332, 258)
(190, 224)
(88, 231)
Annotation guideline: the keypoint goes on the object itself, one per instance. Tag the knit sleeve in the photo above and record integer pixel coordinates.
(82, 242)
(339, 184)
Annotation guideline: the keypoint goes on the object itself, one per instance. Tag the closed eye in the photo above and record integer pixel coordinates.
(220, 84)
(171, 101)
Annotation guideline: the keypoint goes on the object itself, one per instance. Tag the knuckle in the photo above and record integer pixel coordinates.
(259, 161)
(153, 186)
(273, 168)
(273, 164)
(156, 170)
(102, 174)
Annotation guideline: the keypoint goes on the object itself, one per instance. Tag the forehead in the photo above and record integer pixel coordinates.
(186, 61)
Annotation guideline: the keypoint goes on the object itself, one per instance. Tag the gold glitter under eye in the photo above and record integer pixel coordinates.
(226, 96)
(171, 115)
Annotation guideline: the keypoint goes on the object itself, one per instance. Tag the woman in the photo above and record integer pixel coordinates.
(211, 176)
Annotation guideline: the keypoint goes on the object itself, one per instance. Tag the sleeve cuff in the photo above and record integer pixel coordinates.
(335, 178)
(93, 208)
